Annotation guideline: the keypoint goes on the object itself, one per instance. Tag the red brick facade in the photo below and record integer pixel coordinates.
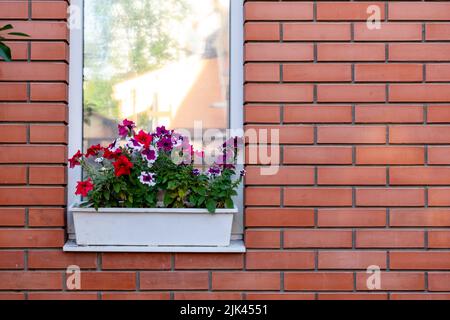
(364, 179)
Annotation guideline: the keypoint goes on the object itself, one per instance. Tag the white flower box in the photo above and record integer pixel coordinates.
(152, 227)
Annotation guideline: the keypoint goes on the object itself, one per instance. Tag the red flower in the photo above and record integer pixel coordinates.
(108, 154)
(144, 138)
(93, 151)
(122, 166)
(84, 187)
(75, 160)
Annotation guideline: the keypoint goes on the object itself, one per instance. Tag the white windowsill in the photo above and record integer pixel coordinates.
(236, 246)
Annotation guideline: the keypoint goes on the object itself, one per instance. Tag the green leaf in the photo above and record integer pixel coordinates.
(18, 34)
(7, 27)
(211, 205)
(229, 203)
(117, 188)
(5, 52)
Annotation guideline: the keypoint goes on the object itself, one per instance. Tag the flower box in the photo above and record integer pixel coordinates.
(152, 227)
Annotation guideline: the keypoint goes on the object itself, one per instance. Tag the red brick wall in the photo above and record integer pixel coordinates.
(364, 179)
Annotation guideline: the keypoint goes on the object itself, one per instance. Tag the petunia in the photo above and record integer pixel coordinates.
(84, 187)
(94, 151)
(148, 179)
(143, 138)
(111, 155)
(122, 166)
(162, 131)
(196, 172)
(114, 146)
(126, 128)
(150, 154)
(134, 144)
(75, 160)
(165, 144)
(214, 172)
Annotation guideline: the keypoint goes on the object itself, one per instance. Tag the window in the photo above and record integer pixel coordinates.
(156, 62)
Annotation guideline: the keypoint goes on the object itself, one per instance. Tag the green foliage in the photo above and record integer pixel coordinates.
(5, 51)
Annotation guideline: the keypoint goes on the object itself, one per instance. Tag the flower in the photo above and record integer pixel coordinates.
(93, 151)
(226, 160)
(235, 142)
(126, 128)
(122, 166)
(196, 172)
(134, 144)
(75, 160)
(84, 187)
(150, 154)
(243, 173)
(148, 179)
(100, 160)
(111, 155)
(214, 171)
(165, 144)
(162, 131)
(143, 138)
(114, 146)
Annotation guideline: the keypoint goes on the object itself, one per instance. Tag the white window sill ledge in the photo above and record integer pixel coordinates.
(236, 246)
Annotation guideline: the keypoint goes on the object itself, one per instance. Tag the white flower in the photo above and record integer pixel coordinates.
(134, 145)
(148, 179)
(99, 160)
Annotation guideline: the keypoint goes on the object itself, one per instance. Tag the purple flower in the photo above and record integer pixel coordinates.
(150, 154)
(134, 144)
(148, 179)
(226, 160)
(214, 171)
(243, 173)
(126, 128)
(235, 142)
(165, 144)
(196, 172)
(162, 131)
(113, 146)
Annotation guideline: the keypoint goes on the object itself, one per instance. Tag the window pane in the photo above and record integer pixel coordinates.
(157, 62)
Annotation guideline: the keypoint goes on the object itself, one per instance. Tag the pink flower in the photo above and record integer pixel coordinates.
(126, 128)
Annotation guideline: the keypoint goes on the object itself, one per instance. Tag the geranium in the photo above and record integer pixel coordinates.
(148, 179)
(126, 128)
(84, 187)
(122, 166)
(75, 160)
(94, 151)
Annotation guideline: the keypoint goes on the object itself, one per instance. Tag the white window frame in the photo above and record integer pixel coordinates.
(236, 109)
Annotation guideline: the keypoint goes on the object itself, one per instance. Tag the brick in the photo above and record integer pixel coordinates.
(61, 260)
(439, 197)
(277, 260)
(439, 239)
(351, 259)
(48, 134)
(419, 176)
(135, 296)
(351, 134)
(318, 155)
(26, 238)
(351, 93)
(262, 114)
(317, 239)
(192, 261)
(390, 239)
(437, 31)
(10, 133)
(279, 52)
(278, 93)
(393, 281)
(420, 218)
(23, 280)
(419, 52)
(12, 260)
(351, 176)
(419, 296)
(12, 217)
(316, 32)
(352, 296)
(13, 91)
(268, 217)
(389, 114)
(47, 175)
(12, 296)
(19, 50)
(175, 280)
(388, 72)
(389, 32)
(318, 281)
(439, 155)
(284, 176)
(262, 31)
(64, 296)
(13, 175)
(13, 10)
(262, 72)
(318, 197)
(49, 92)
(280, 296)
(279, 134)
(262, 154)
(439, 281)
(49, 10)
(419, 260)
(33, 154)
(351, 218)
(139, 261)
(438, 72)
(438, 114)
(42, 30)
(32, 196)
(46, 217)
(50, 51)
(389, 197)
(419, 11)
(419, 93)
(35, 71)
(390, 155)
(254, 281)
(419, 134)
(351, 52)
(278, 11)
(317, 114)
(346, 11)
(322, 72)
(262, 239)
(207, 296)
(262, 196)
(114, 281)
(13, 112)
